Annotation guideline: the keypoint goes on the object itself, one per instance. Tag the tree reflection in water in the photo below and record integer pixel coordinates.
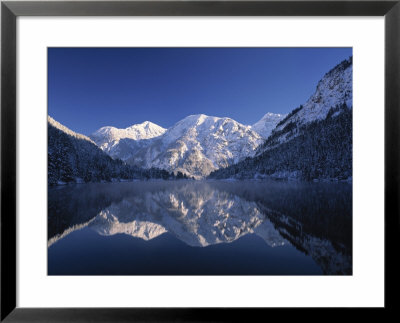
(315, 218)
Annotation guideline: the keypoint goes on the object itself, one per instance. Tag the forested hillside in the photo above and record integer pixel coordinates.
(75, 158)
(321, 150)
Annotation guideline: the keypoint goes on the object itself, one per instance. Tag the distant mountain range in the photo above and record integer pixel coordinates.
(73, 157)
(108, 138)
(195, 146)
(314, 141)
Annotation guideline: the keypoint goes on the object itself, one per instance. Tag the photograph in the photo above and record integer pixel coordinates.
(199, 161)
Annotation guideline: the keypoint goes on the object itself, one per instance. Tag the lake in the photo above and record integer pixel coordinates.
(200, 228)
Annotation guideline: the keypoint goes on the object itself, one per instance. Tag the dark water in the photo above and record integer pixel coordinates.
(200, 228)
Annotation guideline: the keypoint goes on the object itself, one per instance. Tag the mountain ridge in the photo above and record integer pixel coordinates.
(195, 145)
(334, 89)
(199, 145)
(107, 137)
(313, 142)
(75, 158)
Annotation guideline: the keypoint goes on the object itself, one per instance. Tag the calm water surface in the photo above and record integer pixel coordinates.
(200, 228)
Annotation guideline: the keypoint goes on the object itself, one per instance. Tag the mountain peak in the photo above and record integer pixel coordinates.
(267, 123)
(269, 115)
(144, 124)
(196, 145)
(197, 117)
(107, 137)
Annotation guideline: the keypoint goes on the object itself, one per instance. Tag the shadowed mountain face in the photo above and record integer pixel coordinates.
(203, 214)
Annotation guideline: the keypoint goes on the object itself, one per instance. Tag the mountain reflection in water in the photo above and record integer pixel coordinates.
(314, 218)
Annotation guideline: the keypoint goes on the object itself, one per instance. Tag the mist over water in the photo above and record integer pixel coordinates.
(200, 227)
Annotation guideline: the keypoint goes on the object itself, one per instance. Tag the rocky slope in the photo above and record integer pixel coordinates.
(109, 138)
(335, 89)
(313, 142)
(195, 146)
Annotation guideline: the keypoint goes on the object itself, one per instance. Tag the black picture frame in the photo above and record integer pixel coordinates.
(10, 10)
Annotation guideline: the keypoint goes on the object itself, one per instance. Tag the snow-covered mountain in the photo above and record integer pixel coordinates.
(195, 146)
(73, 157)
(313, 142)
(108, 137)
(334, 89)
(199, 144)
(267, 123)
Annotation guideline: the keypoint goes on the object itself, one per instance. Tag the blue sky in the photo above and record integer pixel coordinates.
(93, 87)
